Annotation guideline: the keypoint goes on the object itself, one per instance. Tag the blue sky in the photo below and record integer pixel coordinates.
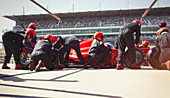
(15, 7)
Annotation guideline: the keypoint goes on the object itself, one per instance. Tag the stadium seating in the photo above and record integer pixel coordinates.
(94, 22)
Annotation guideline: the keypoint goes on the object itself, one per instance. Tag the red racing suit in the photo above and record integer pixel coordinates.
(30, 39)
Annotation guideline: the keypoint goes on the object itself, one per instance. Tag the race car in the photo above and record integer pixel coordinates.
(112, 59)
(84, 48)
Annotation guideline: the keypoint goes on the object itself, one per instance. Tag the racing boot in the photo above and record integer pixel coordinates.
(102, 66)
(60, 66)
(94, 66)
(40, 64)
(65, 64)
(32, 66)
(85, 66)
(167, 63)
(18, 66)
(119, 67)
(5, 66)
(134, 66)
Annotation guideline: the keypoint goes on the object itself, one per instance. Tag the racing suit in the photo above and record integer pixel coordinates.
(43, 51)
(64, 44)
(30, 39)
(12, 41)
(98, 53)
(162, 46)
(126, 38)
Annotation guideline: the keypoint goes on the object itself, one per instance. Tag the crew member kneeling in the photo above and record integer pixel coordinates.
(98, 53)
(162, 44)
(43, 51)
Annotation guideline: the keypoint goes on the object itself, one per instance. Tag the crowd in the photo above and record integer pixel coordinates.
(95, 22)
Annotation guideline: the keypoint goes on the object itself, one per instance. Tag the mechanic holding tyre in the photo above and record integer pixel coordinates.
(126, 39)
(162, 44)
(65, 44)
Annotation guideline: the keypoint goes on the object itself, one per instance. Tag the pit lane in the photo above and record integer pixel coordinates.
(77, 82)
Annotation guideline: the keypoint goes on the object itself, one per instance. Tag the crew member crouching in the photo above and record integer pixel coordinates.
(162, 44)
(65, 44)
(98, 53)
(12, 41)
(43, 51)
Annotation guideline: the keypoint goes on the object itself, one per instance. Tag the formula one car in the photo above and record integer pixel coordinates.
(84, 48)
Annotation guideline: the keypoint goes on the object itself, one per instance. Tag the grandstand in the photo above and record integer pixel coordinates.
(85, 24)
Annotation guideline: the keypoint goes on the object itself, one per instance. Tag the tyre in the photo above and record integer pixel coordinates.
(139, 58)
(153, 60)
(25, 59)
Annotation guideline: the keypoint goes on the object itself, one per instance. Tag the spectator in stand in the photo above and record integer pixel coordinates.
(91, 22)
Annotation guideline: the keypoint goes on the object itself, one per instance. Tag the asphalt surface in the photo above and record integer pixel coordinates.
(85, 83)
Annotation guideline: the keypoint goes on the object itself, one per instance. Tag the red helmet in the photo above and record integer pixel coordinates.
(49, 36)
(30, 32)
(163, 29)
(99, 36)
(138, 22)
(162, 24)
(32, 25)
(145, 43)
